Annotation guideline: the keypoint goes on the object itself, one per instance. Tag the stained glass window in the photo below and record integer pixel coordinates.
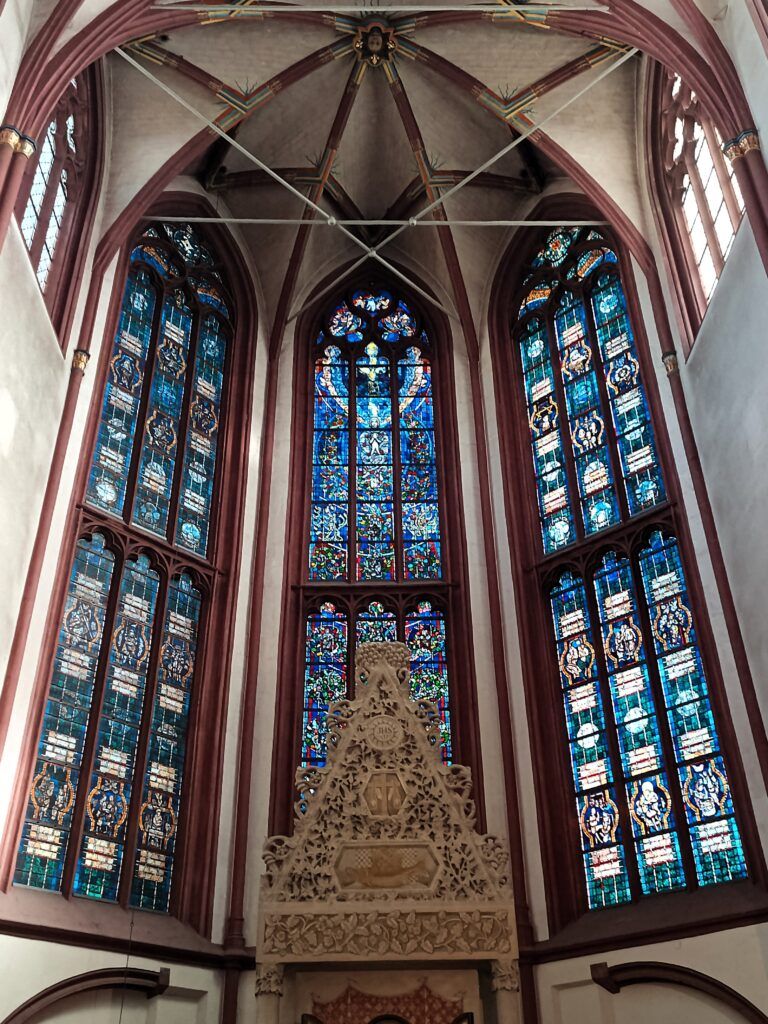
(155, 459)
(649, 784)
(374, 517)
(594, 451)
(106, 798)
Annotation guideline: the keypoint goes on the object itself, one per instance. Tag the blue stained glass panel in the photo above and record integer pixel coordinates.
(374, 519)
(425, 636)
(48, 819)
(325, 679)
(163, 776)
(344, 324)
(161, 431)
(122, 394)
(717, 846)
(555, 513)
(330, 469)
(420, 518)
(200, 448)
(629, 407)
(659, 861)
(400, 324)
(101, 854)
(376, 625)
(584, 712)
(372, 302)
(599, 504)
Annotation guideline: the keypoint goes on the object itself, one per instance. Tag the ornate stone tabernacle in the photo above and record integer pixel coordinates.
(385, 862)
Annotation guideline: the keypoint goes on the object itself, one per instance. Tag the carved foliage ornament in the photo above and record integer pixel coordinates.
(385, 859)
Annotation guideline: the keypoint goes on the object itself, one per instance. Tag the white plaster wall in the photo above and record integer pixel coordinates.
(29, 966)
(14, 26)
(567, 994)
(32, 388)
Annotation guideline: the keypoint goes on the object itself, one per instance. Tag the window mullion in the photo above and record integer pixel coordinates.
(564, 424)
(703, 208)
(667, 748)
(619, 483)
(718, 160)
(49, 199)
(94, 718)
(150, 367)
(352, 473)
(183, 428)
(137, 785)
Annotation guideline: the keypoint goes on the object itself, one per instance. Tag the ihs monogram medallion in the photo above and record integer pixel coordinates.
(375, 43)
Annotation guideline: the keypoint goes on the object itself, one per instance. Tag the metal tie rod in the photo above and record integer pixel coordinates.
(332, 222)
(276, 8)
(532, 129)
(369, 253)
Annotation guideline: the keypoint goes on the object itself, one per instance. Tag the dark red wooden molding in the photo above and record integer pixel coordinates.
(151, 983)
(644, 972)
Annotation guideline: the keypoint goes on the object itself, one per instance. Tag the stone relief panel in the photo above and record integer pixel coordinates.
(385, 859)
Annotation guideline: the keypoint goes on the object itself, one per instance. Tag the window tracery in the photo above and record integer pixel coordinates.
(105, 801)
(696, 188)
(651, 791)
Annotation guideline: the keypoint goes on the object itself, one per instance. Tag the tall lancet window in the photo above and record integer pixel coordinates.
(695, 189)
(375, 566)
(650, 794)
(106, 801)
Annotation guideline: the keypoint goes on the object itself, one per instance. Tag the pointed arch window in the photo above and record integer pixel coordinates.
(696, 189)
(649, 789)
(106, 801)
(55, 205)
(375, 568)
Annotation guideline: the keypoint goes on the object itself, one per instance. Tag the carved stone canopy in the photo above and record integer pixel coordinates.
(385, 862)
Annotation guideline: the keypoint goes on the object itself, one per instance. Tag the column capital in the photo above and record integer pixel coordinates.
(745, 142)
(80, 359)
(671, 364)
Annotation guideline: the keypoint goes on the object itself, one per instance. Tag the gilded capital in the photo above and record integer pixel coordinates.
(9, 136)
(671, 364)
(747, 142)
(80, 359)
(25, 146)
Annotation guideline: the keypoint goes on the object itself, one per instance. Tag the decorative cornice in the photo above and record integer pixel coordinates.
(747, 142)
(671, 364)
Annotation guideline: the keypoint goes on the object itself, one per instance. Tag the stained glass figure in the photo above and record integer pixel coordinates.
(161, 794)
(592, 440)
(98, 867)
(163, 400)
(48, 822)
(715, 837)
(325, 678)
(425, 636)
(603, 853)
(376, 625)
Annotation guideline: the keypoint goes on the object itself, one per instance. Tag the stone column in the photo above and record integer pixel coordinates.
(269, 989)
(505, 982)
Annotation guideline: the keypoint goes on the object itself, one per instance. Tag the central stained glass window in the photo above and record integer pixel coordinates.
(374, 515)
(651, 790)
